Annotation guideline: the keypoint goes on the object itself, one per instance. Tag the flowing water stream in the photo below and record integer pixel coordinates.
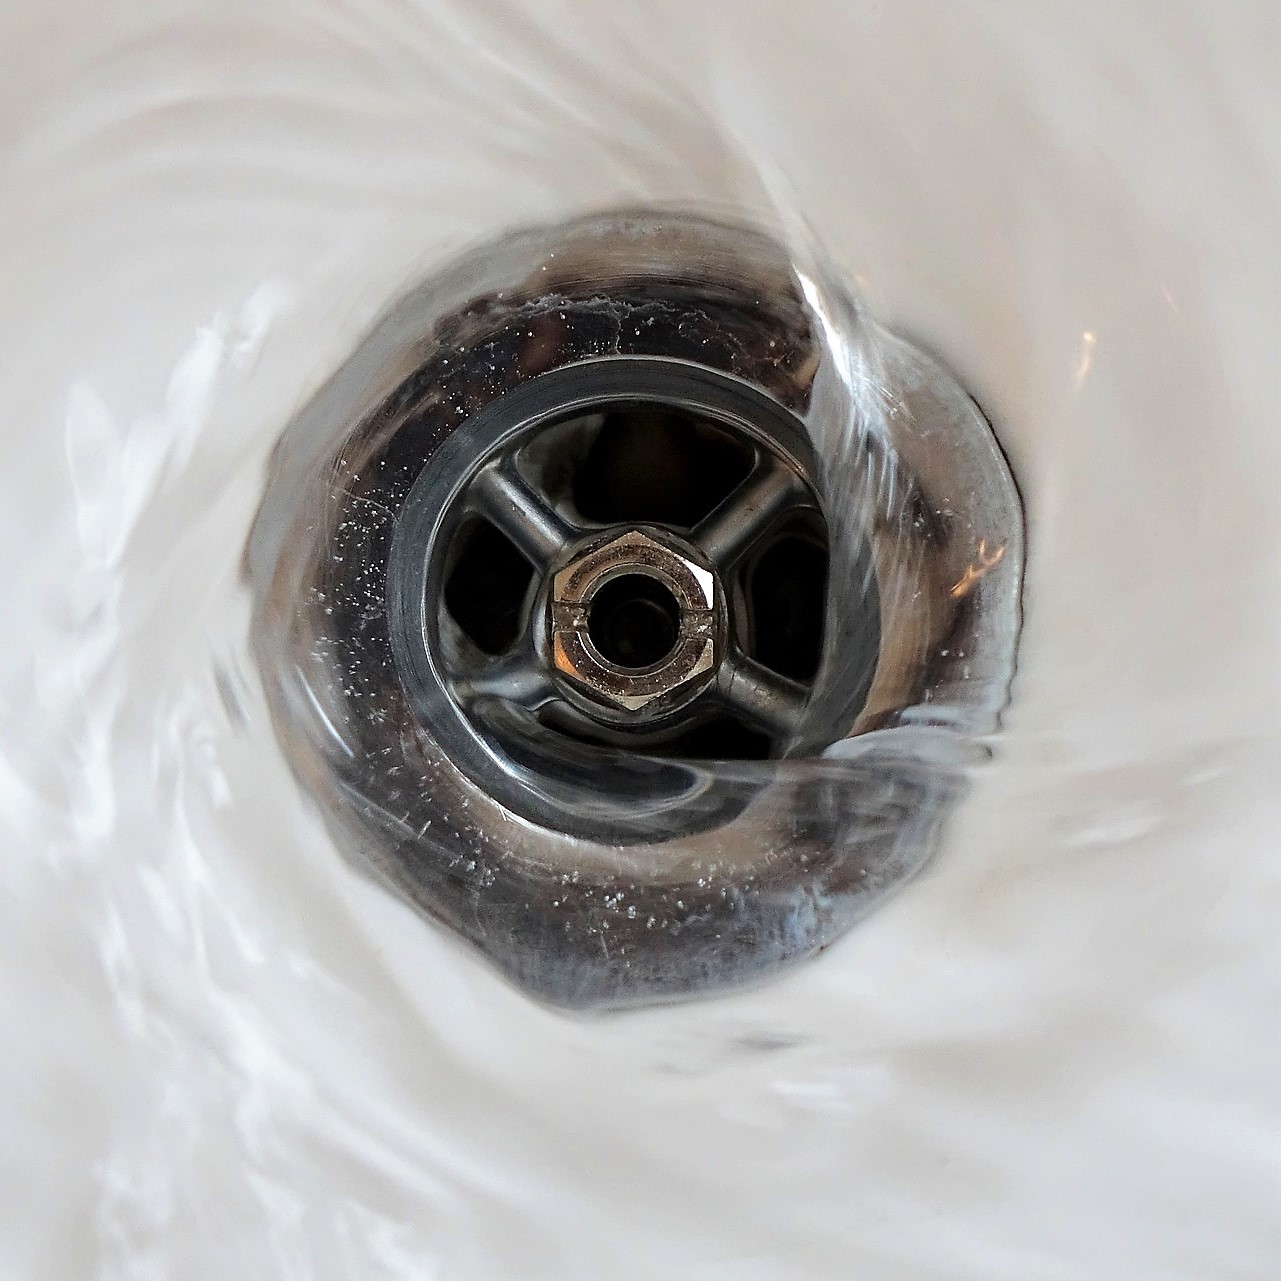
(1055, 1055)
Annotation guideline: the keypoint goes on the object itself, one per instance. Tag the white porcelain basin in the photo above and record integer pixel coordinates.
(228, 1054)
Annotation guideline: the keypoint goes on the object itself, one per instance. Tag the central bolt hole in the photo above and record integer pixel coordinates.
(634, 621)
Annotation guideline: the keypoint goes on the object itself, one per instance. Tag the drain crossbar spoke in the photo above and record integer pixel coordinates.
(770, 701)
(748, 513)
(502, 495)
(519, 677)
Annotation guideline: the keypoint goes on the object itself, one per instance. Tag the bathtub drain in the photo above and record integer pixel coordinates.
(603, 631)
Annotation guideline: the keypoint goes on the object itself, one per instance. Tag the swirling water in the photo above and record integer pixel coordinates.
(1055, 1055)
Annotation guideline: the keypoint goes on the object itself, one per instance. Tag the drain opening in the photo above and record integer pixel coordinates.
(786, 590)
(633, 621)
(486, 589)
(652, 464)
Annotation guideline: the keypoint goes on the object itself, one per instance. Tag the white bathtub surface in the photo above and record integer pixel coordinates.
(1056, 1056)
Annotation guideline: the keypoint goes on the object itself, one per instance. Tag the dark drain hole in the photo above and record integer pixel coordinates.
(787, 591)
(486, 588)
(634, 621)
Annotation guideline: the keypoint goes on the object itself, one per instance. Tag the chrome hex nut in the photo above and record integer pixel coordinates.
(693, 592)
